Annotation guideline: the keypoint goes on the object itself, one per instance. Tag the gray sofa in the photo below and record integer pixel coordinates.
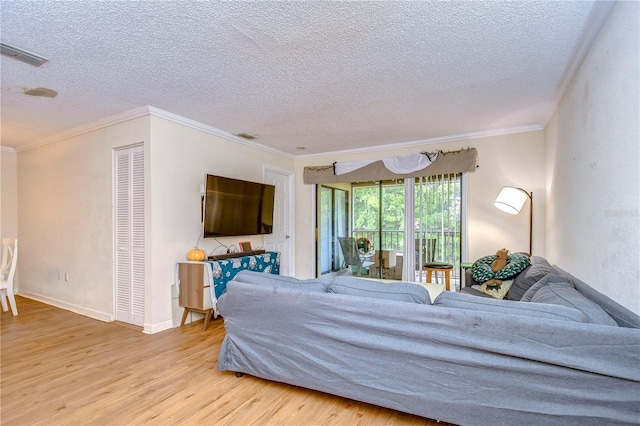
(461, 359)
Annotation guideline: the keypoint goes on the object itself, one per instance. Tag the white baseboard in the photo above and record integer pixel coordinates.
(156, 328)
(91, 313)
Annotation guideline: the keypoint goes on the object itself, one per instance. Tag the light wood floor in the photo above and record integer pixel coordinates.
(58, 368)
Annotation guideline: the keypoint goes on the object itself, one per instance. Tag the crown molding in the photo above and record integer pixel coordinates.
(157, 112)
(148, 110)
(430, 141)
(96, 125)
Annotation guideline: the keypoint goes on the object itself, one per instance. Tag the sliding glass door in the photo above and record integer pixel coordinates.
(402, 242)
(438, 213)
(378, 215)
(333, 222)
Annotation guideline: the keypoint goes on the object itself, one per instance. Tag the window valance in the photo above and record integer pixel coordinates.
(464, 160)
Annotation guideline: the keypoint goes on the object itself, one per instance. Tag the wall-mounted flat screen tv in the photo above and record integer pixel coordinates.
(235, 207)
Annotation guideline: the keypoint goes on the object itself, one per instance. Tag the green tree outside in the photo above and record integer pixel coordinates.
(437, 207)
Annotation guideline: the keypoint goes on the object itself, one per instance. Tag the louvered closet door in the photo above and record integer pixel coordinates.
(129, 234)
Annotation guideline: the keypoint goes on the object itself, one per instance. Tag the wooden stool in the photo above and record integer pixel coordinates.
(440, 268)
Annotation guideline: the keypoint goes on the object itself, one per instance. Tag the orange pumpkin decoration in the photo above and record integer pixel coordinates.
(196, 254)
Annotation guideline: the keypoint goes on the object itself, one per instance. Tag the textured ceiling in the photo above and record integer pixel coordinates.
(329, 76)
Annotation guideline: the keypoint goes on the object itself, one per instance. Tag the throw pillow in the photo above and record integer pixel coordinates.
(564, 294)
(481, 268)
(482, 272)
(507, 307)
(399, 291)
(498, 292)
(515, 264)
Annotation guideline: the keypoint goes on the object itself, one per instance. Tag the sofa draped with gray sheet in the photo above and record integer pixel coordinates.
(461, 359)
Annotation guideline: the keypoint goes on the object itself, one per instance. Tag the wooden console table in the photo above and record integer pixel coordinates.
(195, 290)
(201, 283)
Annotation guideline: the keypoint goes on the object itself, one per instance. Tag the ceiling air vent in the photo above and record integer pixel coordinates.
(22, 55)
(247, 136)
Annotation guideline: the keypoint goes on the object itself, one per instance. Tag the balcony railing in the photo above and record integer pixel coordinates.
(447, 243)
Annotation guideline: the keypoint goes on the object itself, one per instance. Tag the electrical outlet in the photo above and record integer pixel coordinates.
(66, 276)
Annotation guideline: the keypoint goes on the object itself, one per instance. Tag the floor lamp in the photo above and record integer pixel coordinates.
(511, 200)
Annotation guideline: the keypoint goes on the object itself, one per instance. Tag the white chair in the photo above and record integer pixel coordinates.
(7, 272)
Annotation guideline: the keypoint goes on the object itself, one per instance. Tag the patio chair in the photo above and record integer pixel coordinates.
(351, 255)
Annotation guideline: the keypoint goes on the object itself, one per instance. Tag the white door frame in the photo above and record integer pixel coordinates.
(291, 200)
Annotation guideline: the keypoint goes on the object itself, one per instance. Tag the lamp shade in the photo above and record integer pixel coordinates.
(511, 199)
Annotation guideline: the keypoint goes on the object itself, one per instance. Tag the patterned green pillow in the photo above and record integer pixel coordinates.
(481, 268)
(497, 292)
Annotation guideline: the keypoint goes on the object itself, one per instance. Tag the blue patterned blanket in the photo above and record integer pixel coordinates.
(225, 270)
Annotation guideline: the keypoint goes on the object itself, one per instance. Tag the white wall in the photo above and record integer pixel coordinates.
(9, 198)
(593, 153)
(8, 193)
(180, 157)
(66, 219)
(65, 207)
(514, 160)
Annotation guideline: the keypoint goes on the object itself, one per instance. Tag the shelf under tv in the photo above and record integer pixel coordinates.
(237, 254)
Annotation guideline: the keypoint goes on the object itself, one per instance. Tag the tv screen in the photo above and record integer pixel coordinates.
(236, 207)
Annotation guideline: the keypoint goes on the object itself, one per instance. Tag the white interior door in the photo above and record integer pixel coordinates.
(129, 234)
(280, 240)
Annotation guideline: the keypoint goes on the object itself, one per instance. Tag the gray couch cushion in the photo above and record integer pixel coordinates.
(507, 307)
(529, 276)
(623, 316)
(260, 278)
(473, 291)
(400, 291)
(547, 279)
(565, 294)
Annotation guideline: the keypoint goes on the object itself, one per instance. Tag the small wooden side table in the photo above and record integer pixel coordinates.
(465, 266)
(194, 295)
(435, 268)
